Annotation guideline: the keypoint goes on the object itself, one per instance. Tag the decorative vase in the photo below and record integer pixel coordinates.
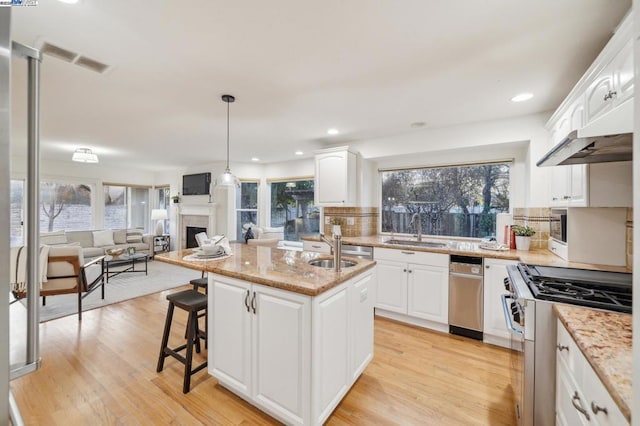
(523, 243)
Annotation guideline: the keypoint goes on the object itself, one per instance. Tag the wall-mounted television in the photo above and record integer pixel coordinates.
(197, 184)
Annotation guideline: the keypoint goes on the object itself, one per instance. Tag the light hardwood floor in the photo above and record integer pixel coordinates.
(103, 371)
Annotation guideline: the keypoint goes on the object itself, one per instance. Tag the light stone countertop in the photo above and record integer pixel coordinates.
(283, 269)
(605, 340)
(471, 248)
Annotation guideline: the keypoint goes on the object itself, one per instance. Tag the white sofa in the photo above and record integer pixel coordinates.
(94, 243)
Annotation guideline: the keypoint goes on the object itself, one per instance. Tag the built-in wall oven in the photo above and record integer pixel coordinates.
(558, 222)
(528, 315)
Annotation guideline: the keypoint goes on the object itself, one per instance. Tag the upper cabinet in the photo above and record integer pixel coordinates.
(606, 86)
(336, 177)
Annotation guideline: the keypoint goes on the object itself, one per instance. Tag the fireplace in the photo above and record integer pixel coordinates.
(191, 235)
(199, 216)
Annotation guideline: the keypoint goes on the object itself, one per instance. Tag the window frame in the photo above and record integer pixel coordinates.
(147, 214)
(270, 204)
(240, 210)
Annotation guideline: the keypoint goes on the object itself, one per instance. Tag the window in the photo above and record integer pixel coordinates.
(126, 207)
(292, 207)
(456, 201)
(65, 207)
(16, 214)
(164, 202)
(246, 207)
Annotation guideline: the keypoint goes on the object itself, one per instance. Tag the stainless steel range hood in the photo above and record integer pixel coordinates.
(607, 139)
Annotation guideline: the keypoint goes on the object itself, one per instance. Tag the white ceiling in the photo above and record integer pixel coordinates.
(296, 68)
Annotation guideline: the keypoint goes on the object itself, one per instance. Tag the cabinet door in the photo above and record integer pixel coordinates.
(229, 353)
(578, 195)
(599, 96)
(428, 292)
(281, 351)
(391, 292)
(623, 73)
(495, 271)
(331, 178)
(361, 310)
(559, 185)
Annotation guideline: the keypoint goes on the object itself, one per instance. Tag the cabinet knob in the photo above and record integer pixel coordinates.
(596, 409)
(554, 199)
(610, 95)
(404, 270)
(566, 197)
(487, 266)
(562, 347)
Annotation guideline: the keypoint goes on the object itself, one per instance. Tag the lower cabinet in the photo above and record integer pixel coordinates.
(261, 341)
(413, 287)
(495, 331)
(581, 398)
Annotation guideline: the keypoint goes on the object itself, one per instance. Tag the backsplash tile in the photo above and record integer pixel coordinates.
(537, 218)
(365, 220)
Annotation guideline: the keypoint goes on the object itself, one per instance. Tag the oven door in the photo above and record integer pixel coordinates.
(511, 307)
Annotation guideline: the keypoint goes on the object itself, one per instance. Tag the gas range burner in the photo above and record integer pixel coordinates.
(596, 289)
(564, 289)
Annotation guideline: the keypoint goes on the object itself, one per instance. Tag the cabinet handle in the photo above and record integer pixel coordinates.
(562, 347)
(253, 302)
(407, 252)
(610, 95)
(487, 266)
(554, 199)
(246, 301)
(410, 271)
(575, 398)
(404, 270)
(566, 197)
(316, 246)
(596, 409)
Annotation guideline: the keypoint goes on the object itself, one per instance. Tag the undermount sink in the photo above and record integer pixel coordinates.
(430, 244)
(328, 263)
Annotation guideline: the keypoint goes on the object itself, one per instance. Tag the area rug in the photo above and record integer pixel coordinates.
(161, 276)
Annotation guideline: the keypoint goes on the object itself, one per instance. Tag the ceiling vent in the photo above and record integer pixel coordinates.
(58, 52)
(73, 57)
(91, 64)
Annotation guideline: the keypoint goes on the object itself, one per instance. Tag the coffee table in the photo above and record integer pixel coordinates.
(128, 261)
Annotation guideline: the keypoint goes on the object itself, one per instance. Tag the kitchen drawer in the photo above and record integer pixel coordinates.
(568, 351)
(412, 256)
(317, 246)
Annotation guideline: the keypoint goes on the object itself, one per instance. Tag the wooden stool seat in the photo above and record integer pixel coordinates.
(193, 302)
(199, 283)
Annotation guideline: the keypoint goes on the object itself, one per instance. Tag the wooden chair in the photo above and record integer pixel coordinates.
(68, 273)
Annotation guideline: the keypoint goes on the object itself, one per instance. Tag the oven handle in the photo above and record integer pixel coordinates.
(507, 316)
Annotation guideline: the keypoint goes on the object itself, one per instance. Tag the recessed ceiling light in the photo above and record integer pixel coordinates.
(299, 153)
(522, 97)
(332, 132)
(417, 124)
(69, 1)
(255, 159)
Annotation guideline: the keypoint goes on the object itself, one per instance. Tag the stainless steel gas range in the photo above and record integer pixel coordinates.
(528, 315)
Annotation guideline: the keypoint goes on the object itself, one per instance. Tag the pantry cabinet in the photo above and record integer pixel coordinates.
(413, 287)
(335, 177)
(495, 331)
(581, 398)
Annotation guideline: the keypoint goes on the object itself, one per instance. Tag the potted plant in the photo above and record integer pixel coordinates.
(523, 235)
(336, 222)
(176, 198)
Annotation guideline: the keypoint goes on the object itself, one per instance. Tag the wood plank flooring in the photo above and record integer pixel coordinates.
(102, 371)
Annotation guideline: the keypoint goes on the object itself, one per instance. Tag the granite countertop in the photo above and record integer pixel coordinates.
(471, 248)
(605, 340)
(283, 269)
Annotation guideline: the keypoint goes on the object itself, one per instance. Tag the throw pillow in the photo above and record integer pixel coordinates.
(120, 236)
(134, 236)
(103, 238)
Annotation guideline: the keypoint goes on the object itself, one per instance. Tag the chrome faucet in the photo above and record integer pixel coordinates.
(418, 225)
(336, 249)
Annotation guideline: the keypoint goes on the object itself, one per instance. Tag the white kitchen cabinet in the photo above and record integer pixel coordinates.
(262, 340)
(316, 246)
(413, 287)
(495, 331)
(335, 177)
(581, 398)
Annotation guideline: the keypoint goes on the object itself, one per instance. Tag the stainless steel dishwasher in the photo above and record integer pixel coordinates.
(466, 296)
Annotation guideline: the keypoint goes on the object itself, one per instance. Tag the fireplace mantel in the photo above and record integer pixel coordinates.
(207, 210)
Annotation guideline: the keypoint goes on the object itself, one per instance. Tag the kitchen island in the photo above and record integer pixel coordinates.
(288, 337)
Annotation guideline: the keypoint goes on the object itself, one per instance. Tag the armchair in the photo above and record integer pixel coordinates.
(66, 273)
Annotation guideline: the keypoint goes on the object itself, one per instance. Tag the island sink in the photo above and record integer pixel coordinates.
(329, 263)
(430, 244)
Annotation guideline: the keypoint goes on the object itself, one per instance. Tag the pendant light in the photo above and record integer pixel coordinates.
(227, 178)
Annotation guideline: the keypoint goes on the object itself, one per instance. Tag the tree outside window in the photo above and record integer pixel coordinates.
(292, 207)
(457, 201)
(65, 206)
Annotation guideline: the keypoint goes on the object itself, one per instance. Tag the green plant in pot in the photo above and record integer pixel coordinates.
(523, 235)
(176, 198)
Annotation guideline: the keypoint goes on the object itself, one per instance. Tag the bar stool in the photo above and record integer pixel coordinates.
(193, 302)
(199, 283)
